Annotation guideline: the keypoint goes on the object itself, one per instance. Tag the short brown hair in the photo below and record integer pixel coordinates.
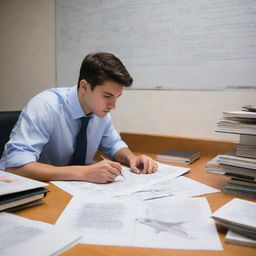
(99, 67)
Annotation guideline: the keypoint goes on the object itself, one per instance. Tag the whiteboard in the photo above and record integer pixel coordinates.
(165, 44)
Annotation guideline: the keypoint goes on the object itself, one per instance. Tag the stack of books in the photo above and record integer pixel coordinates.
(240, 122)
(17, 192)
(239, 165)
(239, 217)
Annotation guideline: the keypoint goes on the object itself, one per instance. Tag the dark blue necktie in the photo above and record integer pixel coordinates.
(79, 155)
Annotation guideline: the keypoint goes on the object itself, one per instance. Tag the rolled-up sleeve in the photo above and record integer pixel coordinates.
(111, 141)
(30, 134)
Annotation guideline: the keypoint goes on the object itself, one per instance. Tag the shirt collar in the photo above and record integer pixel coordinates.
(74, 105)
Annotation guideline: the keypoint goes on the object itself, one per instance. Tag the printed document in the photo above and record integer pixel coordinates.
(180, 186)
(131, 183)
(23, 237)
(171, 223)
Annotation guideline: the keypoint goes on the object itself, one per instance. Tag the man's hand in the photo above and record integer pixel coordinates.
(143, 164)
(103, 172)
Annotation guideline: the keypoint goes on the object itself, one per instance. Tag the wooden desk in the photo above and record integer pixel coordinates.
(56, 200)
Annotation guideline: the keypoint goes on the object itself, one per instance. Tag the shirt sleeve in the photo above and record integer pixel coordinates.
(111, 141)
(31, 132)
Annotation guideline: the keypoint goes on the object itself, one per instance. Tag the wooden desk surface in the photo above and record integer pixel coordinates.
(57, 199)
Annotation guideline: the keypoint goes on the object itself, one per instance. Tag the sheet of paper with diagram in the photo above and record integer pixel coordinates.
(180, 186)
(131, 183)
(171, 223)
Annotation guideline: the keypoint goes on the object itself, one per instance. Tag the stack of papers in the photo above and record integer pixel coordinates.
(241, 122)
(129, 215)
(239, 216)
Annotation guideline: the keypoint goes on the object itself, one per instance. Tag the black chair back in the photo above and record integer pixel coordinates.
(7, 122)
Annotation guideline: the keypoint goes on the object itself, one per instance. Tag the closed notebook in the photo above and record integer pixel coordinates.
(9, 201)
(18, 191)
(178, 156)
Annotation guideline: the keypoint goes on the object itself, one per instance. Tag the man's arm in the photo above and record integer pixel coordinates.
(101, 172)
(138, 164)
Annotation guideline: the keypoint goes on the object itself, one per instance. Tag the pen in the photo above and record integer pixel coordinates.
(104, 158)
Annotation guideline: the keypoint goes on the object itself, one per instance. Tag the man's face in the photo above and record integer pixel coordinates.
(101, 100)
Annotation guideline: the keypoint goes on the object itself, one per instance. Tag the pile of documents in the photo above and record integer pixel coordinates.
(142, 210)
(18, 192)
(240, 122)
(20, 236)
(239, 216)
(239, 165)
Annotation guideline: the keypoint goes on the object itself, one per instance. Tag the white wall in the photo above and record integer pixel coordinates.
(179, 113)
(27, 48)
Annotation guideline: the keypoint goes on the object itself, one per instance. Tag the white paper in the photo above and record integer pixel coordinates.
(180, 186)
(131, 183)
(236, 238)
(178, 223)
(102, 221)
(23, 237)
(238, 211)
(171, 223)
(10, 183)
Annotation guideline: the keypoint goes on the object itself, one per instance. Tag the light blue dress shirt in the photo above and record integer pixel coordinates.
(47, 128)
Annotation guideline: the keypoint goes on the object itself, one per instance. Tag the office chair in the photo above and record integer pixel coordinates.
(7, 122)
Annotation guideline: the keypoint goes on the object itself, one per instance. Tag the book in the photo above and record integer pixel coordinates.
(246, 150)
(237, 215)
(19, 191)
(240, 177)
(12, 200)
(251, 108)
(239, 190)
(214, 166)
(237, 127)
(230, 158)
(26, 205)
(178, 156)
(240, 114)
(251, 183)
(236, 238)
(246, 146)
(240, 122)
(249, 140)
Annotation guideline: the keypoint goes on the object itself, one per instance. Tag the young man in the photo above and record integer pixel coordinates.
(43, 142)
